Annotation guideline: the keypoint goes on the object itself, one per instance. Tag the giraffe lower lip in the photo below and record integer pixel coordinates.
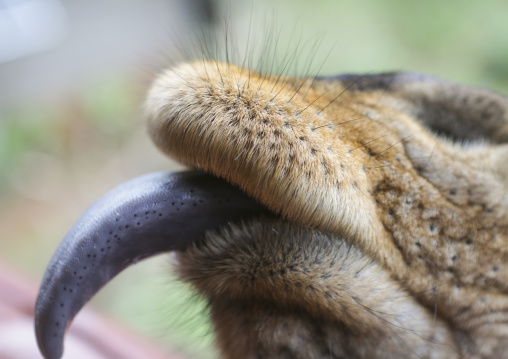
(149, 215)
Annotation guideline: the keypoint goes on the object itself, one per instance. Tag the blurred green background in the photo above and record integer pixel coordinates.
(71, 111)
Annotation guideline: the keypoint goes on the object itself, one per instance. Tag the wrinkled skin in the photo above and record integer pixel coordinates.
(357, 216)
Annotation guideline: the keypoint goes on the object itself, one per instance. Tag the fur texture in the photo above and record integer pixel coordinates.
(396, 240)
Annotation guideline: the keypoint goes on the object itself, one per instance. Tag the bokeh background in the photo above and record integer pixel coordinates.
(72, 80)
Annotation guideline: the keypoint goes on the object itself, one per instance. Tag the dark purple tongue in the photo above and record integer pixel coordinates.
(151, 214)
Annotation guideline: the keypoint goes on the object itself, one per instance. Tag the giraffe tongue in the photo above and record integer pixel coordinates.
(149, 215)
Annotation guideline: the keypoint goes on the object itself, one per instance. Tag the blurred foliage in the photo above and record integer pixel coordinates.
(463, 41)
(93, 122)
(108, 104)
(19, 132)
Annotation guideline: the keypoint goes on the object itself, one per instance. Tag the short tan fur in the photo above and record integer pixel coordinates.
(394, 242)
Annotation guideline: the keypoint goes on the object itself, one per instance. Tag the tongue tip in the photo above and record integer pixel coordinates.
(51, 352)
(49, 340)
(52, 316)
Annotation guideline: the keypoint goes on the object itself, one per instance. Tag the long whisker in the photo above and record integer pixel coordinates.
(366, 143)
(330, 125)
(402, 139)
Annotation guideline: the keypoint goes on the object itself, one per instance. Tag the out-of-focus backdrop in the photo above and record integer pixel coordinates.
(72, 79)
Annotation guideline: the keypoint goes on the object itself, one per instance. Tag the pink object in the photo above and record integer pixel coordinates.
(90, 336)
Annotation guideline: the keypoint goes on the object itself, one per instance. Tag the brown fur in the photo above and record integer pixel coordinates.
(349, 162)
